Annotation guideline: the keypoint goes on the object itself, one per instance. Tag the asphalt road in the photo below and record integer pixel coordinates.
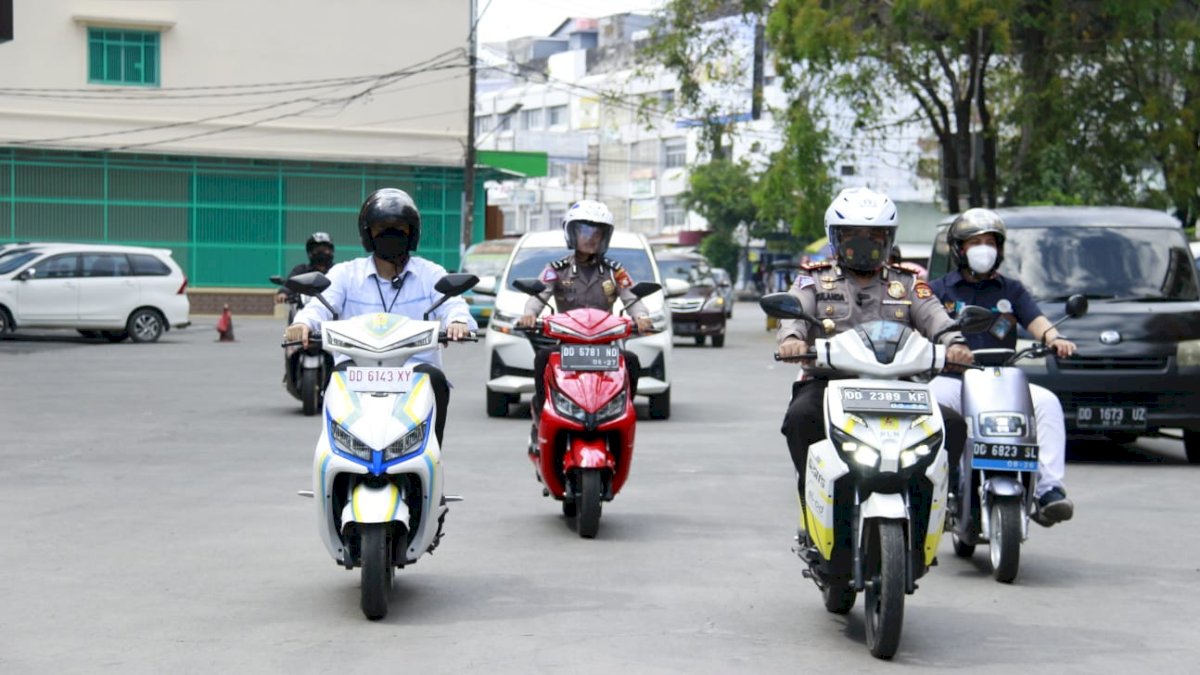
(151, 524)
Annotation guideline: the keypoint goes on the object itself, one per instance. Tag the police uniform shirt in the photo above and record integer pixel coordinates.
(596, 286)
(840, 303)
(1004, 296)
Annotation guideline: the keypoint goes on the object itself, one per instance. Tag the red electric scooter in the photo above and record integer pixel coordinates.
(584, 442)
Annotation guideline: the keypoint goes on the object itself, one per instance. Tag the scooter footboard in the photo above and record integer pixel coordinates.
(375, 505)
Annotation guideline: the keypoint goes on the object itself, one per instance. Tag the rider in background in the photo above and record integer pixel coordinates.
(976, 239)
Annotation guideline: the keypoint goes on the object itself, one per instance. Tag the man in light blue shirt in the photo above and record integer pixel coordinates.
(390, 280)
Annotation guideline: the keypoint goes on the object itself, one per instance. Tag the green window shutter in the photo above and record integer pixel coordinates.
(123, 57)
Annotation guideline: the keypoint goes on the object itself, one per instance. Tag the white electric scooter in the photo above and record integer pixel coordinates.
(377, 471)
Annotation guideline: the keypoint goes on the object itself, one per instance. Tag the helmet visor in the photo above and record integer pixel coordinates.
(591, 238)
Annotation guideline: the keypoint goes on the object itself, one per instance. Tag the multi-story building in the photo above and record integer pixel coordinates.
(229, 132)
(613, 133)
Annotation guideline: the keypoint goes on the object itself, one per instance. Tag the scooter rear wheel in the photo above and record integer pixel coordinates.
(961, 548)
(376, 571)
(885, 588)
(310, 391)
(1005, 544)
(587, 520)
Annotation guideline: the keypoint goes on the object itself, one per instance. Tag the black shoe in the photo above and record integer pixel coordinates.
(1053, 507)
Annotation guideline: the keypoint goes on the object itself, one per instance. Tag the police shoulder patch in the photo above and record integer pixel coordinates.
(922, 290)
(612, 264)
(622, 278)
(549, 275)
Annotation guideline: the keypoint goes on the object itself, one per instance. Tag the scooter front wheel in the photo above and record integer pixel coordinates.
(587, 519)
(1005, 544)
(376, 571)
(885, 588)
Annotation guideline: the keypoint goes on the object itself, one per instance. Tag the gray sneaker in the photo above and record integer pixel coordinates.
(1053, 507)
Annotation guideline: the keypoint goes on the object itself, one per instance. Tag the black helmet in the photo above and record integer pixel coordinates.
(389, 206)
(972, 223)
(315, 239)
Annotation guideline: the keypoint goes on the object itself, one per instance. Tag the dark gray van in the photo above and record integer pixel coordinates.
(1137, 370)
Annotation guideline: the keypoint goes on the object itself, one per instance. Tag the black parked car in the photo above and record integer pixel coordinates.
(1137, 370)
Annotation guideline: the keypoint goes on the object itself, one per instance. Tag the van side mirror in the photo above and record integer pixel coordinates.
(676, 287)
(486, 285)
(27, 274)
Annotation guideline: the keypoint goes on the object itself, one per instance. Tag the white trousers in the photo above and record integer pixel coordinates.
(1051, 429)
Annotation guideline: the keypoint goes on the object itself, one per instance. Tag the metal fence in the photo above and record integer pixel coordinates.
(228, 222)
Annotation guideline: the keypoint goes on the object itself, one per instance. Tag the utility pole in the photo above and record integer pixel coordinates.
(468, 227)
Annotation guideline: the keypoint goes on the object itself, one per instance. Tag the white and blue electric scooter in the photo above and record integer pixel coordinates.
(377, 471)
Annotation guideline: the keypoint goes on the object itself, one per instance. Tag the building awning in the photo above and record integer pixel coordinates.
(527, 164)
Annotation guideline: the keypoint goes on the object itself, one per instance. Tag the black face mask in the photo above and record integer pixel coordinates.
(321, 259)
(862, 254)
(391, 245)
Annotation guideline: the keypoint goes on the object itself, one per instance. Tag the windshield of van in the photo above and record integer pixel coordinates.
(694, 272)
(529, 262)
(12, 260)
(1103, 263)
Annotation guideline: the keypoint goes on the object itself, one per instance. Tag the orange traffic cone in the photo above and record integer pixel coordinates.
(225, 326)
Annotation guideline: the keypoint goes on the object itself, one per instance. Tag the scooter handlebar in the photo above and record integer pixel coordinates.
(444, 339)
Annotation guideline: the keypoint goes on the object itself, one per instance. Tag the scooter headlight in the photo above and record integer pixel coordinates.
(921, 453)
(614, 409)
(407, 443)
(349, 443)
(568, 408)
(863, 454)
(421, 340)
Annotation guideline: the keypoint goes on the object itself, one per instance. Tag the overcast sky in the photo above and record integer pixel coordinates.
(508, 19)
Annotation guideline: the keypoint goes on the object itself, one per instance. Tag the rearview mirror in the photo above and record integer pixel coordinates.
(676, 287)
(27, 274)
(1077, 306)
(529, 286)
(309, 283)
(455, 284)
(784, 306)
(276, 279)
(486, 285)
(724, 284)
(643, 288)
(974, 319)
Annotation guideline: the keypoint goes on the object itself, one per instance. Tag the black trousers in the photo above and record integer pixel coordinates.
(441, 392)
(804, 424)
(633, 366)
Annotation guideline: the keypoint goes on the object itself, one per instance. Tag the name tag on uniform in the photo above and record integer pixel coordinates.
(897, 302)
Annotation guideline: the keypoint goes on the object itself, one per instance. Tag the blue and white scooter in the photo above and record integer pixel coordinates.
(377, 471)
(998, 476)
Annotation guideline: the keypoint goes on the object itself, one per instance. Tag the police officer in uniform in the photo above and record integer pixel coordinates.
(856, 287)
(976, 239)
(585, 279)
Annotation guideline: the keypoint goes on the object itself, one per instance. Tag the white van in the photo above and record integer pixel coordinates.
(116, 291)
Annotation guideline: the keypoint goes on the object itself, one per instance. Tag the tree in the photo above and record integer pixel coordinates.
(721, 192)
(797, 186)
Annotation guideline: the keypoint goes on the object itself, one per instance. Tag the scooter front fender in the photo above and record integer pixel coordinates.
(375, 505)
(886, 506)
(1003, 486)
(588, 453)
(311, 362)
